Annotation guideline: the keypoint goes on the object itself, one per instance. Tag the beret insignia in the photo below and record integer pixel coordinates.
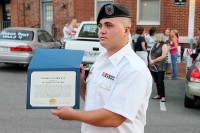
(109, 9)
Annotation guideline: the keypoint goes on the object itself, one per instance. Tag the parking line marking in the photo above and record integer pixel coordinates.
(162, 106)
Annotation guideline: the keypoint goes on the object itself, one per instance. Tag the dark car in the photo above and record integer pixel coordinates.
(17, 44)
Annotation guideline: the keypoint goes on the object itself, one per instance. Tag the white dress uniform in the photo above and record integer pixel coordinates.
(121, 84)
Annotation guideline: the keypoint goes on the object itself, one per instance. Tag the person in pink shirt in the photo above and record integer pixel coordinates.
(174, 53)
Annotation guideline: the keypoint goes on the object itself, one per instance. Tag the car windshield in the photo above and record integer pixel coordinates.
(16, 34)
(89, 31)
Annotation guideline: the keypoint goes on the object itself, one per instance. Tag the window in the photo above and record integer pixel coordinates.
(99, 4)
(17, 34)
(148, 12)
(41, 37)
(48, 36)
(89, 31)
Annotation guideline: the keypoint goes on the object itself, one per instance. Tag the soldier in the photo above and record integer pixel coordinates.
(117, 89)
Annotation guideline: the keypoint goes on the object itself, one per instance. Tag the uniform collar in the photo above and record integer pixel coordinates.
(117, 57)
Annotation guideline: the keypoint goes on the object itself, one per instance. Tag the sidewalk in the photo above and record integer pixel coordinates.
(181, 71)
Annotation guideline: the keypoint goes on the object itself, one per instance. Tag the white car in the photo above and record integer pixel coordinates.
(192, 93)
(17, 44)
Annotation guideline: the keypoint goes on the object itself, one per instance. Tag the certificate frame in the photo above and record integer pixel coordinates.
(51, 78)
(57, 62)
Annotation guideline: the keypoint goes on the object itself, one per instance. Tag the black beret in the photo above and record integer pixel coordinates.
(113, 10)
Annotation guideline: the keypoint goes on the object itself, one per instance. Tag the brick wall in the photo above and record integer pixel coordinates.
(1, 14)
(175, 17)
(84, 9)
(197, 16)
(23, 17)
(61, 15)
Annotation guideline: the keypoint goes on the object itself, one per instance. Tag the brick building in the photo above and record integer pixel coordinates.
(183, 15)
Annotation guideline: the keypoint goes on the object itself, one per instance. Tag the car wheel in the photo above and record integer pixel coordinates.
(188, 102)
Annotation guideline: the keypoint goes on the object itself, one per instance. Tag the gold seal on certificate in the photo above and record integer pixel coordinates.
(52, 101)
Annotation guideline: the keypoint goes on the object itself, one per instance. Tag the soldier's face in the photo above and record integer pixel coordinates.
(111, 33)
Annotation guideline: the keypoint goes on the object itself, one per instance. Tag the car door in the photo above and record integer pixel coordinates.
(42, 41)
(46, 40)
(50, 41)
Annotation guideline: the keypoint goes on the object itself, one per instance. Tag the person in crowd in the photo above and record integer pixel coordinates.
(134, 37)
(157, 65)
(174, 53)
(197, 39)
(117, 89)
(66, 33)
(140, 46)
(197, 45)
(73, 26)
(167, 41)
(151, 38)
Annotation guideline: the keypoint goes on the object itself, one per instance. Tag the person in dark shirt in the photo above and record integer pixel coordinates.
(157, 66)
(198, 39)
(197, 44)
(140, 46)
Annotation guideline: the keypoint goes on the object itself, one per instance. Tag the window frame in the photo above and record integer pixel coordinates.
(146, 22)
(96, 5)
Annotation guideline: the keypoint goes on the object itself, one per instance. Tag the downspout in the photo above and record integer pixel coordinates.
(191, 19)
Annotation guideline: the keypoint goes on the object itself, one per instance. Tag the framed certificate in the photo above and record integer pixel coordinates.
(54, 82)
(53, 88)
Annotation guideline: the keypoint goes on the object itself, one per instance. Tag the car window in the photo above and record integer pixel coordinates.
(48, 36)
(16, 34)
(89, 31)
(41, 37)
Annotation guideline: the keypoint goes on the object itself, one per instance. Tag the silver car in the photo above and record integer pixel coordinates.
(17, 44)
(193, 82)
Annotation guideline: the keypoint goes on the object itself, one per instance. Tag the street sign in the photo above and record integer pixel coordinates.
(180, 2)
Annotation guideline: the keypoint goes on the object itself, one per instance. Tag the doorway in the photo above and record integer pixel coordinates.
(47, 16)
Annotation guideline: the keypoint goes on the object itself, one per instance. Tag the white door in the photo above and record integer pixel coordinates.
(47, 16)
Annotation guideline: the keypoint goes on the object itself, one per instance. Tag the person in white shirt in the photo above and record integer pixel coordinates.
(66, 32)
(117, 89)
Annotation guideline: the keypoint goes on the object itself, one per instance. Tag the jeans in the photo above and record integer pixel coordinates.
(174, 58)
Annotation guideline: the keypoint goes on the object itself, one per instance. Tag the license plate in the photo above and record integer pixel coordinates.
(3, 49)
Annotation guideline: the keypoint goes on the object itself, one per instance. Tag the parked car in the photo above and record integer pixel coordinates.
(17, 44)
(192, 93)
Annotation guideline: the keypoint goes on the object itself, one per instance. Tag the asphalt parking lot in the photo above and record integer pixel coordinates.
(169, 117)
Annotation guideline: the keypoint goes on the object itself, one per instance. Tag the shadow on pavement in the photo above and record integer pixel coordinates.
(13, 67)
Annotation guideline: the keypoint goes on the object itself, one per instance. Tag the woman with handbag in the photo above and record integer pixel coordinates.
(157, 65)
